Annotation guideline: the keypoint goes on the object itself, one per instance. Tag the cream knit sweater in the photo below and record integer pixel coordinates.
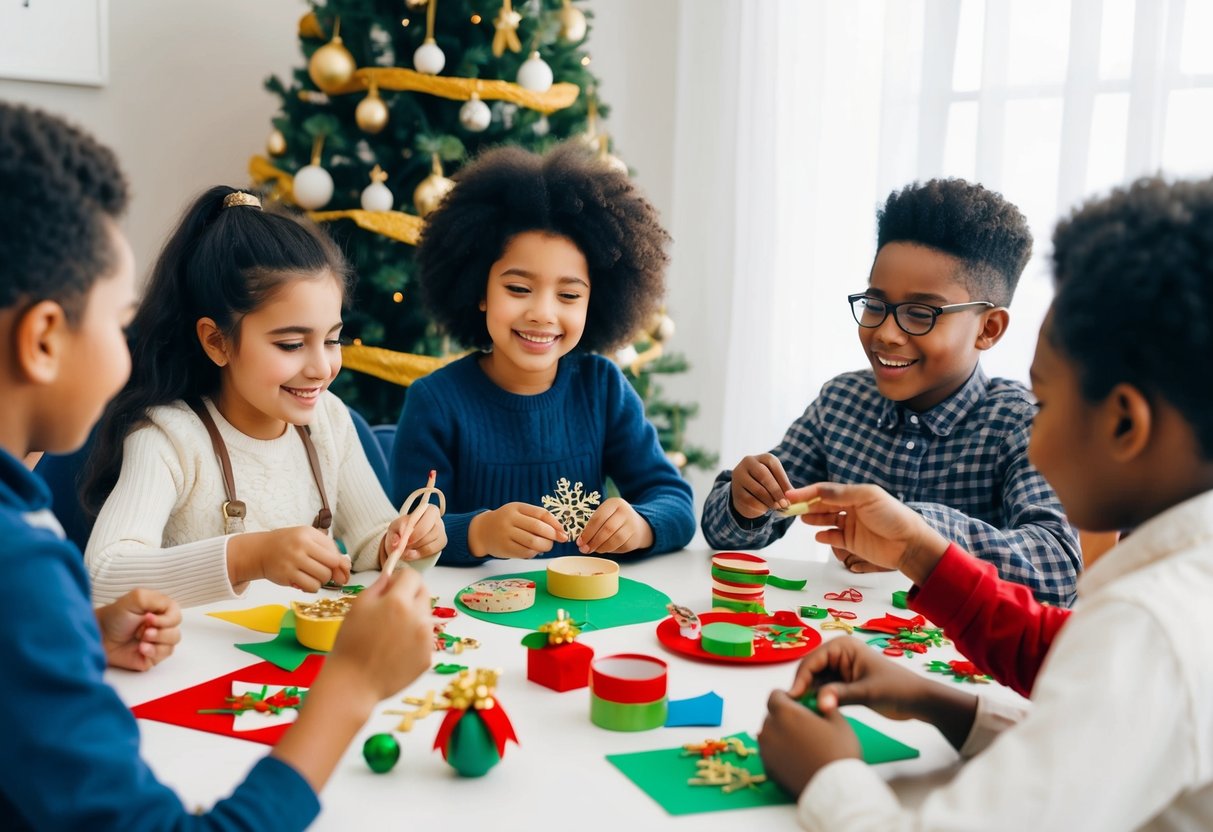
(162, 526)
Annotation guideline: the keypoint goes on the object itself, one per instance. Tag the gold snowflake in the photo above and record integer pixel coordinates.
(571, 507)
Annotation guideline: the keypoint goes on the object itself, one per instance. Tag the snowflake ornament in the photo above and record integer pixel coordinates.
(571, 507)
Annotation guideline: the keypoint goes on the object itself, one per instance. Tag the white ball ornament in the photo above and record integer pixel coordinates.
(626, 355)
(542, 126)
(534, 74)
(377, 197)
(664, 330)
(313, 187)
(429, 58)
(475, 115)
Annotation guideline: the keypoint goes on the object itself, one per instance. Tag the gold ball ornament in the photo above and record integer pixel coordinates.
(431, 190)
(275, 145)
(331, 66)
(572, 23)
(415, 4)
(371, 114)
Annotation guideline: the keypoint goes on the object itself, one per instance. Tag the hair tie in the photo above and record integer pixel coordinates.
(241, 198)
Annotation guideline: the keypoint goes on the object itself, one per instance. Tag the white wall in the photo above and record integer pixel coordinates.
(184, 107)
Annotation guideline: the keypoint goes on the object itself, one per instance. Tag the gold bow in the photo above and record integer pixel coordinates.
(506, 25)
(561, 631)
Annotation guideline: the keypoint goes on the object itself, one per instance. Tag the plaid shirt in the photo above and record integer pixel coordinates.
(963, 465)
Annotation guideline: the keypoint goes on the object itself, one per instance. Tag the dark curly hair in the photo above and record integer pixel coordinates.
(568, 192)
(59, 191)
(220, 263)
(977, 226)
(1134, 303)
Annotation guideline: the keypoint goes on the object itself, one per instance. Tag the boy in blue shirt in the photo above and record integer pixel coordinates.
(924, 423)
(70, 755)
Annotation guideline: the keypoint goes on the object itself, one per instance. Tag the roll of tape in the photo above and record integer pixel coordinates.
(623, 716)
(629, 678)
(581, 578)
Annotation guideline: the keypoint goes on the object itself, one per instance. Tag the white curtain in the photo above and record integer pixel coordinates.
(795, 119)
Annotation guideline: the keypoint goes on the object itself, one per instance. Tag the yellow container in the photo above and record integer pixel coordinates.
(317, 623)
(581, 578)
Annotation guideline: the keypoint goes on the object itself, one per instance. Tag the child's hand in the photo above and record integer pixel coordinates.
(298, 556)
(614, 528)
(516, 530)
(140, 629)
(854, 563)
(759, 485)
(845, 671)
(427, 538)
(796, 743)
(872, 525)
(387, 638)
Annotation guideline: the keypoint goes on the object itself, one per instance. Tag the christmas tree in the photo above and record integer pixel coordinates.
(393, 99)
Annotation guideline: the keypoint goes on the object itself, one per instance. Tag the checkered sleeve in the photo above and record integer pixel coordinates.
(802, 456)
(1036, 546)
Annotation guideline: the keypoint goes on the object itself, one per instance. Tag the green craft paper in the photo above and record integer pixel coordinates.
(471, 750)
(663, 775)
(628, 716)
(635, 603)
(283, 650)
(786, 583)
(725, 638)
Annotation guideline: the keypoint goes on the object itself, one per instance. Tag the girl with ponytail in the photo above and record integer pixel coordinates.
(225, 459)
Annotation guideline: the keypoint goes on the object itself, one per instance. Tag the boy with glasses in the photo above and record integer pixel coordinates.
(924, 423)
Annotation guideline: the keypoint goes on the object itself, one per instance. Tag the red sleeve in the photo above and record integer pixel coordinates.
(996, 624)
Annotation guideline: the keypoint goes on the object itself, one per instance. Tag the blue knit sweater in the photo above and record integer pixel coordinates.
(491, 447)
(70, 754)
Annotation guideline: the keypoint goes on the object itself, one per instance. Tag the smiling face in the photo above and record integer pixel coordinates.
(288, 354)
(535, 306)
(920, 371)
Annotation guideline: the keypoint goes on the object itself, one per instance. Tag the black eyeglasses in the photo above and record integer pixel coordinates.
(913, 318)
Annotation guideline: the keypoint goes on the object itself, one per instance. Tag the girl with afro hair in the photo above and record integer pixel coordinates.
(539, 262)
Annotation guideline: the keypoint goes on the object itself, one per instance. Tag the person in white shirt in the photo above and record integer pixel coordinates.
(225, 459)
(1120, 731)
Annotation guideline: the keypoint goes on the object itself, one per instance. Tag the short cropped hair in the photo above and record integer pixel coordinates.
(1134, 303)
(58, 186)
(979, 227)
(567, 192)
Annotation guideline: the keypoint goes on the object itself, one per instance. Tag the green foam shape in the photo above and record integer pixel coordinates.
(635, 603)
(724, 638)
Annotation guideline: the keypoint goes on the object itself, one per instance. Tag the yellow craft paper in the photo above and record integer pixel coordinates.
(264, 619)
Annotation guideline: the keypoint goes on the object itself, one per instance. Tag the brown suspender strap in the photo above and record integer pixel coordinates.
(234, 509)
(324, 518)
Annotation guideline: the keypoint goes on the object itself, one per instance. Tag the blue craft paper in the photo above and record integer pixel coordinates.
(706, 710)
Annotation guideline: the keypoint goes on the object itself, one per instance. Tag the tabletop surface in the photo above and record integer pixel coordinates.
(558, 775)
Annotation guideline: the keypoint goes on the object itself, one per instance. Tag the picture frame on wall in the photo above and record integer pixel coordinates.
(55, 41)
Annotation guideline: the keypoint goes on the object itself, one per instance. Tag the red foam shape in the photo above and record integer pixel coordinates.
(764, 651)
(181, 708)
(562, 667)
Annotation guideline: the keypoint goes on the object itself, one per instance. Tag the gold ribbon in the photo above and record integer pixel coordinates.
(562, 630)
(401, 368)
(468, 691)
(396, 78)
(405, 228)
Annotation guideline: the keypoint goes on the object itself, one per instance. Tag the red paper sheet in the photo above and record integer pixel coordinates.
(181, 708)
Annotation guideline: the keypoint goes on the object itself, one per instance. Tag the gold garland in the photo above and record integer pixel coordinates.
(401, 368)
(395, 224)
(558, 97)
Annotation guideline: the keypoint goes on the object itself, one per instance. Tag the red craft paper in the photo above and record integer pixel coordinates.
(499, 725)
(181, 708)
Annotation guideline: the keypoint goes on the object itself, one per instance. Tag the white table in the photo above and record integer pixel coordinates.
(524, 791)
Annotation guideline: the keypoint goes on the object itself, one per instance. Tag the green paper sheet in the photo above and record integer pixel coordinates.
(283, 650)
(635, 603)
(663, 774)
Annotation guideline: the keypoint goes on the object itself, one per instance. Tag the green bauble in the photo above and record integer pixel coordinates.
(471, 750)
(381, 751)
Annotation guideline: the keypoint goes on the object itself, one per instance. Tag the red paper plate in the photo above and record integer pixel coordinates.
(764, 652)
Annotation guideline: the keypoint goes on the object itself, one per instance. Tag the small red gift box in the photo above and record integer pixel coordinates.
(562, 667)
